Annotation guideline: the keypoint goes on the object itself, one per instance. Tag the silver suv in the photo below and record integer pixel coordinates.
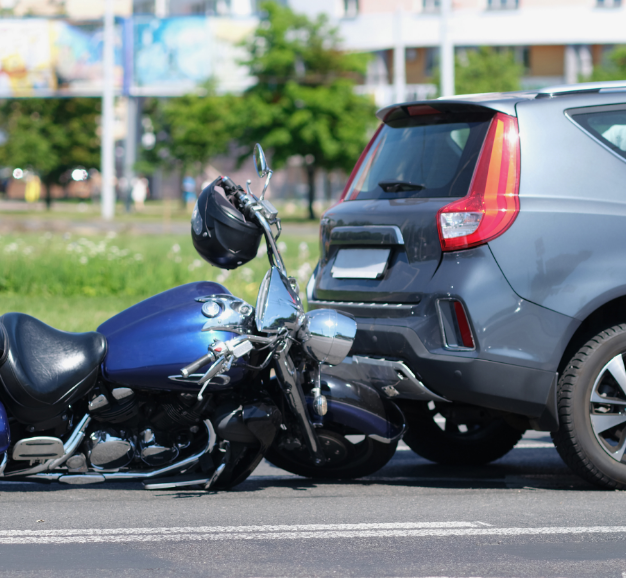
(480, 243)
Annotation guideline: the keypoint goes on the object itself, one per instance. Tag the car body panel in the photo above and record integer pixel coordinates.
(568, 238)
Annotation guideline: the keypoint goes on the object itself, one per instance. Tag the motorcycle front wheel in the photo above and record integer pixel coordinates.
(347, 457)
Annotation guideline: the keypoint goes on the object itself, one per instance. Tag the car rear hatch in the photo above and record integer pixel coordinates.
(380, 245)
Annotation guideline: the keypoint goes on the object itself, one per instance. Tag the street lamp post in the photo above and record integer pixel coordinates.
(108, 140)
(446, 51)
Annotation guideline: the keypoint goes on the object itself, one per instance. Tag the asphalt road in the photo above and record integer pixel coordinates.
(525, 515)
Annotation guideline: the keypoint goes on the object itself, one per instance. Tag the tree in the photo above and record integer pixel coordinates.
(487, 70)
(190, 130)
(613, 67)
(50, 136)
(303, 102)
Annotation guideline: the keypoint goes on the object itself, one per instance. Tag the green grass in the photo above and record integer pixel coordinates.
(74, 283)
(291, 211)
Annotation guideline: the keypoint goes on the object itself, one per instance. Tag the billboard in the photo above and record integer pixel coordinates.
(153, 57)
(25, 57)
(41, 57)
(175, 55)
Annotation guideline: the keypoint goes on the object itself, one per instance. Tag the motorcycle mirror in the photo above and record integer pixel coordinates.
(259, 161)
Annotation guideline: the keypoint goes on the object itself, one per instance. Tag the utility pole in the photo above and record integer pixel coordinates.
(399, 59)
(108, 139)
(446, 51)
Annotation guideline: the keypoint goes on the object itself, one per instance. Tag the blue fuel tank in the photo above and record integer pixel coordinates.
(151, 341)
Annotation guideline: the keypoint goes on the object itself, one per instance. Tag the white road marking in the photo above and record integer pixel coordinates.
(287, 532)
(521, 445)
(533, 445)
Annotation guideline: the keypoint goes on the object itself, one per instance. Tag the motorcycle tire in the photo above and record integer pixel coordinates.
(591, 398)
(346, 460)
(476, 443)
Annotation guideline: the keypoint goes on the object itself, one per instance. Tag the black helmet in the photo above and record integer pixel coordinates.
(220, 233)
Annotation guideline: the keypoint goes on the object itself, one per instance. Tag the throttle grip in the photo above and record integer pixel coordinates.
(197, 364)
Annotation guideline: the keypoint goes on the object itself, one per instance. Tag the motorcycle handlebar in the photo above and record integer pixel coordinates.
(197, 364)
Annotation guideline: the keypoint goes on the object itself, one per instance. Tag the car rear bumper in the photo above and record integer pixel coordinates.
(500, 386)
(518, 344)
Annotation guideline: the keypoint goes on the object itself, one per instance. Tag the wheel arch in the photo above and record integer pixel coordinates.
(607, 315)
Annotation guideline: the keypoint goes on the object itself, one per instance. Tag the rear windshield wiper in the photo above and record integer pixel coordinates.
(395, 186)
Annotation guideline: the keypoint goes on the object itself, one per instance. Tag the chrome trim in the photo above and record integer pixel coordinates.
(361, 308)
(582, 87)
(80, 479)
(327, 335)
(3, 465)
(394, 229)
(278, 306)
(364, 305)
(169, 485)
(37, 448)
(183, 464)
(69, 446)
(235, 316)
(225, 445)
(196, 377)
(383, 374)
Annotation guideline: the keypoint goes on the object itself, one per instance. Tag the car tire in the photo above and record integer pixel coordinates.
(361, 459)
(592, 396)
(479, 442)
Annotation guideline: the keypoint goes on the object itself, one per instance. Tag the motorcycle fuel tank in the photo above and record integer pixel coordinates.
(151, 341)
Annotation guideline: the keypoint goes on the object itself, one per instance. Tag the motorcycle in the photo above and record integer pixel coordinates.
(194, 386)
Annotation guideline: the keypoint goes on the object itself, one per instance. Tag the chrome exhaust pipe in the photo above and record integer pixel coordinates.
(99, 477)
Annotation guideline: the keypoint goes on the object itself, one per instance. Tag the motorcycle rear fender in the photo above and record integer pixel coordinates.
(360, 407)
(5, 432)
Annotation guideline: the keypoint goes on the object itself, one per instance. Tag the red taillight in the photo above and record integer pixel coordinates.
(493, 203)
(356, 168)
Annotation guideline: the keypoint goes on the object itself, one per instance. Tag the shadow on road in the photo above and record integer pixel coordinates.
(529, 468)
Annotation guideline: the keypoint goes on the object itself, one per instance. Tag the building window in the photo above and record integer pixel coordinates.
(608, 3)
(431, 5)
(143, 7)
(502, 4)
(350, 8)
(218, 7)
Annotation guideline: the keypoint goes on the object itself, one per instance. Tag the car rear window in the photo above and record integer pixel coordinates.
(607, 125)
(426, 155)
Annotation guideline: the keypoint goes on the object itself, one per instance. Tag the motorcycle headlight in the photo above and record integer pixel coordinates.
(327, 335)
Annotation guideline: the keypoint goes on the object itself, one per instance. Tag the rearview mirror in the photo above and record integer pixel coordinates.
(259, 161)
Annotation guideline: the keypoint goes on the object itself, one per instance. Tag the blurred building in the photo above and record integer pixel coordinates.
(557, 41)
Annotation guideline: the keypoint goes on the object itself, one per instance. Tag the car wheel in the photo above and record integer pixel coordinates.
(348, 456)
(457, 435)
(592, 410)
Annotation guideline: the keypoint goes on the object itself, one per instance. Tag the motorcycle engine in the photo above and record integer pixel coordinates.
(108, 450)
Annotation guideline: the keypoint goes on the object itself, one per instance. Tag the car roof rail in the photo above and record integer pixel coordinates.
(565, 89)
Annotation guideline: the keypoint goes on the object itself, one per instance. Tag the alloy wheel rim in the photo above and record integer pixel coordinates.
(607, 408)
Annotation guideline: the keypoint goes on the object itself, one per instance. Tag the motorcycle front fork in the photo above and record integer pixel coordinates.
(291, 385)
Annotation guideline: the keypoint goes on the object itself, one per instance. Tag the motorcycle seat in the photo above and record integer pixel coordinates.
(43, 369)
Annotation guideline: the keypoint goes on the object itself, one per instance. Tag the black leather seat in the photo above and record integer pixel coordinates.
(43, 369)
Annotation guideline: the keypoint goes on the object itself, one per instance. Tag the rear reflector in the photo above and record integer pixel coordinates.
(493, 202)
(455, 327)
